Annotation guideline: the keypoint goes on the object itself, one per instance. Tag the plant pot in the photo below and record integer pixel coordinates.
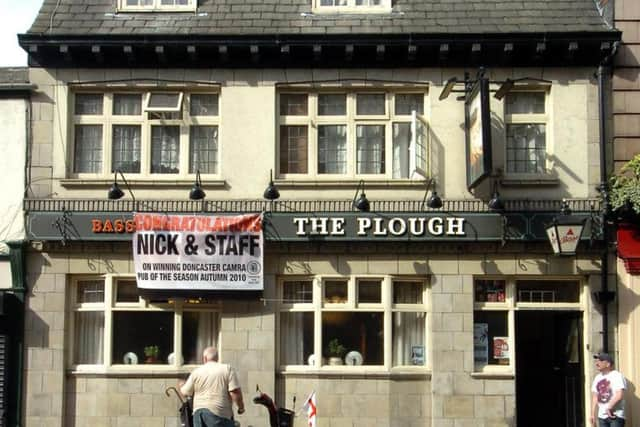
(334, 361)
(151, 360)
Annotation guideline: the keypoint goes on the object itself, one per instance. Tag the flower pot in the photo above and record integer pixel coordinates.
(335, 361)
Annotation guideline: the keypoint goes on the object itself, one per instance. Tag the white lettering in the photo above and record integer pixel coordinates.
(319, 226)
(397, 226)
(380, 230)
(364, 224)
(413, 229)
(337, 227)
(435, 226)
(300, 224)
(455, 226)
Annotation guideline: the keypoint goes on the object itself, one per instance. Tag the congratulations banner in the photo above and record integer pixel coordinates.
(198, 252)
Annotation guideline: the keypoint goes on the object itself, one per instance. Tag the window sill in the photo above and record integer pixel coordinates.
(348, 183)
(358, 372)
(496, 375)
(548, 179)
(140, 183)
(111, 372)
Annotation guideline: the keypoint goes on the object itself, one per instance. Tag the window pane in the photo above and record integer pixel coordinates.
(370, 149)
(165, 149)
(405, 103)
(126, 291)
(293, 104)
(90, 291)
(127, 104)
(89, 337)
(370, 104)
(296, 338)
(490, 338)
(89, 103)
(489, 290)
(526, 147)
(203, 149)
(335, 291)
(525, 103)
(126, 148)
(332, 104)
(401, 142)
(408, 339)
(164, 101)
(369, 291)
(332, 149)
(293, 149)
(405, 292)
(547, 291)
(199, 331)
(152, 329)
(88, 149)
(355, 331)
(298, 291)
(204, 105)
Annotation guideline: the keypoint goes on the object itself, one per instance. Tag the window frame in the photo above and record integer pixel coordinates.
(510, 306)
(157, 6)
(351, 7)
(352, 121)
(530, 118)
(176, 306)
(318, 306)
(145, 121)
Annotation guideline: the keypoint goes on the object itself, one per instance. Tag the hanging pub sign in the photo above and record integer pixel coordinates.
(478, 132)
(198, 252)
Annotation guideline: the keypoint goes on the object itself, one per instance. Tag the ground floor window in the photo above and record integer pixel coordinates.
(113, 325)
(352, 321)
(495, 302)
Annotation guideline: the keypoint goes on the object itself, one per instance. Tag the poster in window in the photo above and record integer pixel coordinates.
(481, 343)
(500, 347)
(478, 132)
(417, 355)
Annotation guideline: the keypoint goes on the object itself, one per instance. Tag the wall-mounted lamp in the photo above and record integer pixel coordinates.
(271, 192)
(504, 89)
(496, 203)
(115, 192)
(362, 204)
(565, 231)
(448, 88)
(197, 193)
(433, 201)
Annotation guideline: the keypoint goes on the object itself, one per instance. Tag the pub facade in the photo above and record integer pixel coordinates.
(352, 198)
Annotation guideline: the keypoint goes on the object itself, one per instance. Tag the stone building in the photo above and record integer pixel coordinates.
(431, 297)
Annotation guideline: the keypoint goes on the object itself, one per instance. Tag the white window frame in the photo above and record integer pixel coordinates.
(510, 306)
(350, 6)
(177, 107)
(177, 306)
(537, 119)
(145, 120)
(386, 306)
(157, 6)
(419, 146)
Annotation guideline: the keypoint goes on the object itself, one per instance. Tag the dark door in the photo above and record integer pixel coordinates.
(549, 371)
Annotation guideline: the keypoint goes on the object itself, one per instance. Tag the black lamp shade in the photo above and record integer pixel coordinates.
(271, 193)
(115, 192)
(496, 203)
(362, 204)
(434, 201)
(197, 193)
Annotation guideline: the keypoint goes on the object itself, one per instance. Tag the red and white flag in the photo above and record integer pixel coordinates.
(310, 407)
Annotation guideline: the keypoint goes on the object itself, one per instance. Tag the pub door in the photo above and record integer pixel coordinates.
(549, 369)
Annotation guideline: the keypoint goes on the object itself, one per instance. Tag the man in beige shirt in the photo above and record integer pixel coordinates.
(214, 386)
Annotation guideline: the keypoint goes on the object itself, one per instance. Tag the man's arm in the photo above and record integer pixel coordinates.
(186, 387)
(594, 408)
(236, 396)
(617, 397)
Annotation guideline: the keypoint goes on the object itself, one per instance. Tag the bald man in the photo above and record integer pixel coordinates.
(214, 386)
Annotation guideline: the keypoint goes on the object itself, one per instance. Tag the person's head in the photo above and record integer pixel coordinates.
(604, 362)
(210, 354)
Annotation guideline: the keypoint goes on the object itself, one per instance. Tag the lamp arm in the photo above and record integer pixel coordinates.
(118, 171)
(430, 186)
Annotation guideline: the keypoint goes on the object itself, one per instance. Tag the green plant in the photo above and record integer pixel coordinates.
(625, 187)
(336, 349)
(151, 351)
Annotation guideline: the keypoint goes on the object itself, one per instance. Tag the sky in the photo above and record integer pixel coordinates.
(17, 17)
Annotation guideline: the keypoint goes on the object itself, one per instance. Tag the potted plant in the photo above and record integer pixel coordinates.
(624, 194)
(336, 351)
(151, 353)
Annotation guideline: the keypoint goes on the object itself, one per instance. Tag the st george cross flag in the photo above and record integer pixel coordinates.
(310, 407)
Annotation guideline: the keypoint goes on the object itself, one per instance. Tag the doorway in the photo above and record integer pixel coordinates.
(549, 369)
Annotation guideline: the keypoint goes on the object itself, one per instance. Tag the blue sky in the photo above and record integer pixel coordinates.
(16, 18)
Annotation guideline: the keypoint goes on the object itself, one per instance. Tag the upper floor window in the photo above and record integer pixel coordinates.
(351, 6)
(526, 129)
(348, 134)
(157, 5)
(150, 133)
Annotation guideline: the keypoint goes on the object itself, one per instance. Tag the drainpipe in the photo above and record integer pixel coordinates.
(604, 296)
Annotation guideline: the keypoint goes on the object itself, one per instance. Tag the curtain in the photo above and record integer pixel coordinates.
(203, 149)
(370, 149)
(127, 104)
(292, 338)
(401, 141)
(88, 149)
(332, 149)
(126, 148)
(89, 337)
(207, 331)
(165, 149)
(408, 338)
